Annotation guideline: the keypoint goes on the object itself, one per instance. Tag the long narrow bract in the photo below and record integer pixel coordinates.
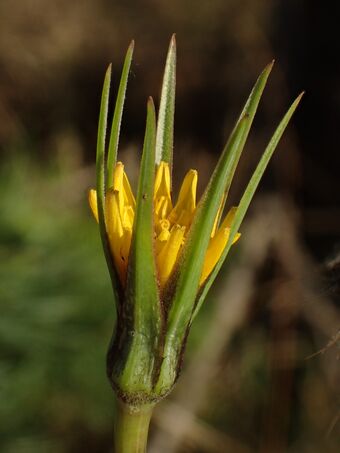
(165, 124)
(183, 297)
(100, 183)
(248, 196)
(194, 251)
(117, 116)
(142, 308)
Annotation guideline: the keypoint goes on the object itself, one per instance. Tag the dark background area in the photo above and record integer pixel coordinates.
(56, 309)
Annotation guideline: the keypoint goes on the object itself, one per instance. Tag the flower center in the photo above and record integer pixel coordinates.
(171, 223)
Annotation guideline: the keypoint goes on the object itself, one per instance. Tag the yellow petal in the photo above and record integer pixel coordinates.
(162, 225)
(128, 217)
(161, 207)
(119, 233)
(163, 231)
(217, 219)
(118, 185)
(119, 213)
(114, 222)
(185, 207)
(118, 176)
(115, 229)
(129, 199)
(162, 190)
(229, 218)
(167, 257)
(124, 251)
(217, 245)
(92, 196)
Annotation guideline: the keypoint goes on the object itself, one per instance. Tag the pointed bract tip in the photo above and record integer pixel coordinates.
(269, 66)
(298, 99)
(132, 44)
(108, 73)
(173, 40)
(150, 102)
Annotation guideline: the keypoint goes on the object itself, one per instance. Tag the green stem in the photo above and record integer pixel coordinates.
(131, 428)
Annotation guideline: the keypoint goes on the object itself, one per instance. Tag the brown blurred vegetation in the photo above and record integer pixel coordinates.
(247, 386)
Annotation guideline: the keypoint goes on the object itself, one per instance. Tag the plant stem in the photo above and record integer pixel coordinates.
(131, 428)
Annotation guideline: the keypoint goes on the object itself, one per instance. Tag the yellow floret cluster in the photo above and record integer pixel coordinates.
(171, 222)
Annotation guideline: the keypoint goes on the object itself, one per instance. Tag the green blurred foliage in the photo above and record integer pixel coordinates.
(56, 315)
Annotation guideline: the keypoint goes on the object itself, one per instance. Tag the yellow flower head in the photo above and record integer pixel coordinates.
(171, 222)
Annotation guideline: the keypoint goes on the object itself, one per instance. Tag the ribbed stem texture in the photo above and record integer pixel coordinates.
(131, 428)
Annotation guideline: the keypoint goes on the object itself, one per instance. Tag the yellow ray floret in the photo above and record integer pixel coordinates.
(184, 210)
(93, 203)
(171, 223)
(167, 257)
(162, 196)
(217, 245)
(119, 215)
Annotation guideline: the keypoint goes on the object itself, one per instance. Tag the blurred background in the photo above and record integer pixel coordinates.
(251, 382)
